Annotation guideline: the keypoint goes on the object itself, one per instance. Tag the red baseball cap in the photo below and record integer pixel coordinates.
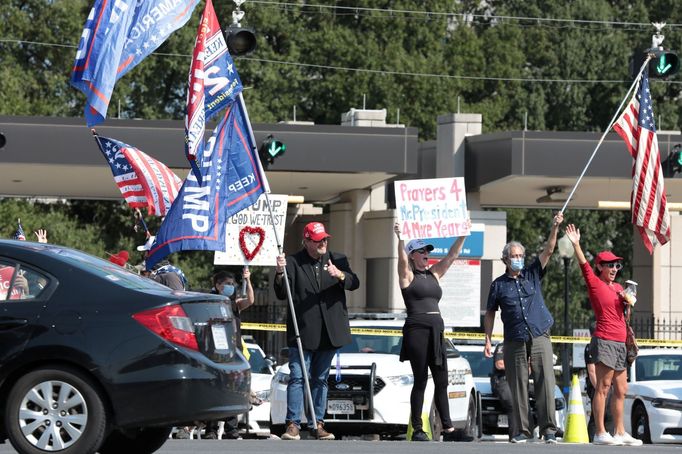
(119, 259)
(606, 256)
(315, 231)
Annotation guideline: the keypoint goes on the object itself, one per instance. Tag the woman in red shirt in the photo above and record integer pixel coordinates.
(607, 346)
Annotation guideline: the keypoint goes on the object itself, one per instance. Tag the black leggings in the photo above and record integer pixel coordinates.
(419, 348)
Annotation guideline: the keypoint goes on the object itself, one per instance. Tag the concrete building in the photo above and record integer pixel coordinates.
(344, 176)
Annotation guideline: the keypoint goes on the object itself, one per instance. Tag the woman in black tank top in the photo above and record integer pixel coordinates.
(423, 330)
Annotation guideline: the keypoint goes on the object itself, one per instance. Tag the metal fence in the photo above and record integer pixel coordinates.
(645, 326)
(265, 310)
(650, 327)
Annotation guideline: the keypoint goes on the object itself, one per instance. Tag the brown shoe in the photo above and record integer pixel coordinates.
(323, 434)
(292, 433)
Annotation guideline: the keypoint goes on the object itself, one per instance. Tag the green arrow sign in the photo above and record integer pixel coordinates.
(662, 67)
(275, 148)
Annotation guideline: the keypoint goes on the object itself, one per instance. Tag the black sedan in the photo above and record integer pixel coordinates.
(95, 358)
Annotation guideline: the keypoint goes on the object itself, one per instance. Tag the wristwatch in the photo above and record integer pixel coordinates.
(342, 277)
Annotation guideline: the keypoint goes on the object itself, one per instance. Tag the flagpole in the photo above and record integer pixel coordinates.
(606, 131)
(280, 250)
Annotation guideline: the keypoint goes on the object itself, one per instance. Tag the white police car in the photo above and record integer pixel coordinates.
(653, 403)
(373, 393)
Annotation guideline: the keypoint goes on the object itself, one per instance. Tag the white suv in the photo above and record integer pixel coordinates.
(373, 393)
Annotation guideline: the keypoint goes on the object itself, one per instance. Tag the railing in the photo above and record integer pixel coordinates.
(645, 326)
(266, 311)
(275, 311)
(657, 328)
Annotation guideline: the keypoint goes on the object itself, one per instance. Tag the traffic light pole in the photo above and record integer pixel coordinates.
(606, 131)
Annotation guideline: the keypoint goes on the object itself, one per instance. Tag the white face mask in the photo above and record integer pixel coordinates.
(228, 290)
(516, 264)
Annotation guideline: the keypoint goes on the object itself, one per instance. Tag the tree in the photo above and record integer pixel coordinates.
(499, 58)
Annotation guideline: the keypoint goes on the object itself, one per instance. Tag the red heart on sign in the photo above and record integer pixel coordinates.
(250, 254)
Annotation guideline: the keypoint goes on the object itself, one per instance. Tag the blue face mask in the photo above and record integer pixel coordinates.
(516, 264)
(228, 290)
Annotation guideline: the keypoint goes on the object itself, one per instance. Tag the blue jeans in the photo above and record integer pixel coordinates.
(318, 364)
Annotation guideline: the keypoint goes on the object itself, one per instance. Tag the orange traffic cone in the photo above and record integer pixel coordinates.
(576, 425)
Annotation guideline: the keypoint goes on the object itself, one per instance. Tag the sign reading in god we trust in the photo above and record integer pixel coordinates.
(431, 208)
(249, 234)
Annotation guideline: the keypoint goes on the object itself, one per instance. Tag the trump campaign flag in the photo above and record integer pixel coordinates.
(648, 200)
(233, 180)
(142, 180)
(213, 83)
(119, 34)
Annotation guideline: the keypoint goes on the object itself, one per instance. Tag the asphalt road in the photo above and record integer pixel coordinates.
(382, 447)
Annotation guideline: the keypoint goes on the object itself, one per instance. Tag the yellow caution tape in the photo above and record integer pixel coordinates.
(264, 326)
(464, 336)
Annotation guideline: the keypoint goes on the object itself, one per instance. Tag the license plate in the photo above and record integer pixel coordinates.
(219, 337)
(502, 421)
(340, 407)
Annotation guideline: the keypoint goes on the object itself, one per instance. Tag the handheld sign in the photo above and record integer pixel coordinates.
(249, 237)
(431, 208)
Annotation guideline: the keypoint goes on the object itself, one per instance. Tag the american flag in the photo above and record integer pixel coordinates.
(648, 200)
(19, 234)
(142, 180)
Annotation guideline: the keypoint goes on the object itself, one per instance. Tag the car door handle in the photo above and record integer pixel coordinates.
(13, 323)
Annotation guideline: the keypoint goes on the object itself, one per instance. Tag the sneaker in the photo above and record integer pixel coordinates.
(232, 435)
(520, 438)
(420, 435)
(627, 439)
(550, 439)
(605, 439)
(182, 434)
(292, 433)
(323, 434)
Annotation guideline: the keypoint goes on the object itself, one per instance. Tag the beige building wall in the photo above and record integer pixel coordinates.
(659, 275)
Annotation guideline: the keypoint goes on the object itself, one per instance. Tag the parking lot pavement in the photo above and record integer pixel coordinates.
(271, 446)
(385, 447)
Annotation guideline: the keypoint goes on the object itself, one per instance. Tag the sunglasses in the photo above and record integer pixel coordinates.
(421, 251)
(323, 240)
(616, 265)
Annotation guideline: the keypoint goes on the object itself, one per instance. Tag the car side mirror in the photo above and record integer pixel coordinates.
(453, 353)
(271, 361)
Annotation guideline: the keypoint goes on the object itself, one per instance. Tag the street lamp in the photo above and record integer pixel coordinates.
(566, 252)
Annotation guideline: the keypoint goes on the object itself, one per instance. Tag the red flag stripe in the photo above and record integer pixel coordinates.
(648, 199)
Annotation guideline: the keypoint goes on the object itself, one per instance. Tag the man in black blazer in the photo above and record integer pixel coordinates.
(318, 279)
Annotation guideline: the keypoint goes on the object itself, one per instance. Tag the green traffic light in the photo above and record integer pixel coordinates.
(276, 147)
(664, 64)
(662, 67)
(677, 158)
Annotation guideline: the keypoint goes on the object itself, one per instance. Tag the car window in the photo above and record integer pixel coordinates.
(370, 343)
(382, 343)
(480, 365)
(659, 367)
(104, 269)
(20, 283)
(257, 361)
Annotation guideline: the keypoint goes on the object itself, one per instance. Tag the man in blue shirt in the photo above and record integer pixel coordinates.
(527, 321)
